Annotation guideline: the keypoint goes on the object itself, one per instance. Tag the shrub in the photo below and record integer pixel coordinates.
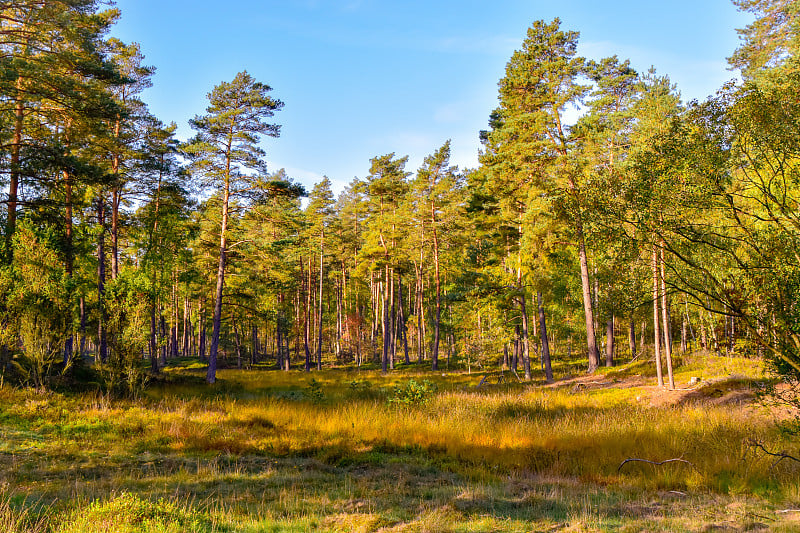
(127, 513)
(127, 307)
(36, 291)
(314, 391)
(412, 393)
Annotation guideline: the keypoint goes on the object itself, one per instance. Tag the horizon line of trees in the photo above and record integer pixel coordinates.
(646, 218)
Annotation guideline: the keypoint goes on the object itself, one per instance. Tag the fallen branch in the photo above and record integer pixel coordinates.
(501, 378)
(780, 455)
(655, 463)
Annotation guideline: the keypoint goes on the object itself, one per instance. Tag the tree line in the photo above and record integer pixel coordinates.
(674, 225)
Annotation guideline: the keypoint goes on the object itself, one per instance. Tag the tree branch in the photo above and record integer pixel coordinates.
(780, 455)
(655, 463)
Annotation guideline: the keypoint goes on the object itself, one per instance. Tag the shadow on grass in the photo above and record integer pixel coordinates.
(735, 390)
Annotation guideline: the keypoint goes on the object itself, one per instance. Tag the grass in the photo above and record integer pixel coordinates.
(273, 451)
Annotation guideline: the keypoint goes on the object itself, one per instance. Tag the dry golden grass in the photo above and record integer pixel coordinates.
(259, 452)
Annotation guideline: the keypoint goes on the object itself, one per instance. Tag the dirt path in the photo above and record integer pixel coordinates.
(731, 390)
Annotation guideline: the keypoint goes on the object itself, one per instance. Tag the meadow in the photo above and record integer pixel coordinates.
(356, 450)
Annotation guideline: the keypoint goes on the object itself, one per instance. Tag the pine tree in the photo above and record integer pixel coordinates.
(437, 183)
(387, 187)
(226, 156)
(318, 213)
(532, 151)
(55, 75)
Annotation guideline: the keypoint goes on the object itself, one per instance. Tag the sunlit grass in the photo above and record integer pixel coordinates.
(260, 452)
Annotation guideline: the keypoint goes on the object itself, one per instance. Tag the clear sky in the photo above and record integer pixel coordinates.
(361, 78)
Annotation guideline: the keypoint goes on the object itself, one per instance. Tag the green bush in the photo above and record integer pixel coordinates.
(130, 514)
(314, 391)
(412, 393)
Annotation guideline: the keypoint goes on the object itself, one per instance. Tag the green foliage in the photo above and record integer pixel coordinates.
(771, 40)
(37, 292)
(413, 394)
(128, 326)
(314, 391)
(128, 513)
(225, 151)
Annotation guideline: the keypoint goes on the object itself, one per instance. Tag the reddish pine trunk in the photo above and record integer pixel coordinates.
(666, 318)
(591, 342)
(656, 321)
(101, 280)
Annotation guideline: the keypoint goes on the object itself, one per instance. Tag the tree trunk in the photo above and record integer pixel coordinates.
(642, 336)
(591, 342)
(115, 200)
(632, 338)
(153, 339)
(548, 370)
(82, 347)
(162, 328)
(610, 341)
(256, 348)
(420, 322)
(200, 331)
(287, 359)
(403, 322)
(306, 283)
(656, 321)
(665, 316)
(689, 323)
(174, 341)
(526, 350)
(69, 344)
(437, 276)
(321, 278)
(211, 376)
(339, 290)
(238, 345)
(684, 335)
(14, 175)
(392, 325)
(202, 340)
(385, 321)
(102, 348)
(278, 340)
(187, 325)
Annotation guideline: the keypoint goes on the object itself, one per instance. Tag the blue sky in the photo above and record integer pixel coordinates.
(362, 78)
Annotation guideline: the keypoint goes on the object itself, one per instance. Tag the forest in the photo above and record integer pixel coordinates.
(647, 234)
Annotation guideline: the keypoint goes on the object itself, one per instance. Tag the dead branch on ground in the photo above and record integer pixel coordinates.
(655, 463)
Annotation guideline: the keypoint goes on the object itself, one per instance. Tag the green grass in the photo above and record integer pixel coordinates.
(273, 451)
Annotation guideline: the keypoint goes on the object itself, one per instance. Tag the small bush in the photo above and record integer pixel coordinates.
(314, 391)
(130, 514)
(413, 393)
